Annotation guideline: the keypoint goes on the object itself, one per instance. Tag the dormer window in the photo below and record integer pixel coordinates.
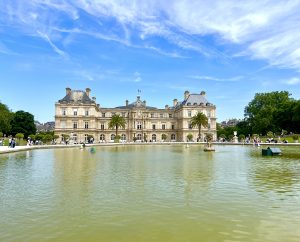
(195, 104)
(188, 104)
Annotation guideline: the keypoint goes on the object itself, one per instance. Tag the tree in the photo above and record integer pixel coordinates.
(163, 137)
(47, 138)
(116, 122)
(189, 137)
(199, 120)
(268, 111)
(209, 137)
(19, 136)
(1, 134)
(241, 137)
(270, 134)
(23, 122)
(5, 119)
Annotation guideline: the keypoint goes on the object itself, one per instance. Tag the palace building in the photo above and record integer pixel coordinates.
(80, 117)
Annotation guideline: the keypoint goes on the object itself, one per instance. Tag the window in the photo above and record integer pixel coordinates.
(153, 126)
(163, 126)
(123, 137)
(75, 137)
(112, 137)
(208, 114)
(112, 114)
(208, 125)
(189, 113)
(123, 114)
(86, 112)
(103, 115)
(102, 126)
(102, 137)
(63, 111)
(153, 137)
(139, 125)
(139, 136)
(75, 112)
(170, 115)
(161, 115)
(86, 137)
(190, 126)
(86, 125)
(173, 137)
(74, 125)
(152, 115)
(63, 124)
(173, 126)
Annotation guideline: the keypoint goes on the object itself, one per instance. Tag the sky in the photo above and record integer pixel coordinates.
(229, 49)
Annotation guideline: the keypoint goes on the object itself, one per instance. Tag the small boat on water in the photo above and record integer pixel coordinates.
(271, 151)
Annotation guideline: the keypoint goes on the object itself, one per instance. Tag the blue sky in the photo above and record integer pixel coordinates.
(230, 49)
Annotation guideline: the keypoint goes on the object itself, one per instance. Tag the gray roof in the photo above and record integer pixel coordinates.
(77, 96)
(194, 99)
(138, 103)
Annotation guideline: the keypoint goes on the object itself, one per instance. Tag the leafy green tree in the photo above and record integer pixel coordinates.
(163, 137)
(5, 119)
(270, 134)
(19, 136)
(199, 120)
(23, 122)
(222, 136)
(241, 137)
(1, 134)
(47, 138)
(267, 110)
(116, 122)
(32, 136)
(189, 137)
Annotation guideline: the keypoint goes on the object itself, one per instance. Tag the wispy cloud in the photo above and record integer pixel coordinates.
(211, 78)
(264, 30)
(292, 81)
(54, 47)
(137, 77)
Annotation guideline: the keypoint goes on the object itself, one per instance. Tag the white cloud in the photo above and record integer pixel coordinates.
(137, 77)
(211, 78)
(54, 47)
(292, 81)
(263, 29)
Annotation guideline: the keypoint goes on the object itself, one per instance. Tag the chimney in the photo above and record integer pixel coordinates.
(186, 95)
(166, 106)
(87, 91)
(175, 102)
(68, 90)
(203, 93)
(94, 99)
(126, 102)
(144, 102)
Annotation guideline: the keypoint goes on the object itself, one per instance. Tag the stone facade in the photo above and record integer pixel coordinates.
(79, 116)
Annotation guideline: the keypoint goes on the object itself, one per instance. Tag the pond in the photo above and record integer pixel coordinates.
(150, 193)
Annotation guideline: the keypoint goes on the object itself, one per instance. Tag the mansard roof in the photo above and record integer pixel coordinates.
(77, 96)
(194, 100)
(137, 104)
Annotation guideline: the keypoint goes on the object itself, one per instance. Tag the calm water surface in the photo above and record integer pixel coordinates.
(150, 193)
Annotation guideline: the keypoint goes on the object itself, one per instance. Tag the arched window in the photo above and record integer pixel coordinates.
(102, 137)
(112, 137)
(123, 137)
(139, 136)
(173, 137)
(153, 137)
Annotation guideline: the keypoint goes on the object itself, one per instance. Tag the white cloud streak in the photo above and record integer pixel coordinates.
(211, 78)
(265, 29)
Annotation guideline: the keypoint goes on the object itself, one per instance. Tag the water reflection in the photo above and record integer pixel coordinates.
(277, 174)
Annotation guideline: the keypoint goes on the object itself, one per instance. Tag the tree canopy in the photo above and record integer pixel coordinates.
(23, 122)
(273, 111)
(116, 122)
(199, 120)
(5, 119)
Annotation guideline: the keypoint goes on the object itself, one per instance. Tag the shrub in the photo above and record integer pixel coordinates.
(189, 137)
(295, 137)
